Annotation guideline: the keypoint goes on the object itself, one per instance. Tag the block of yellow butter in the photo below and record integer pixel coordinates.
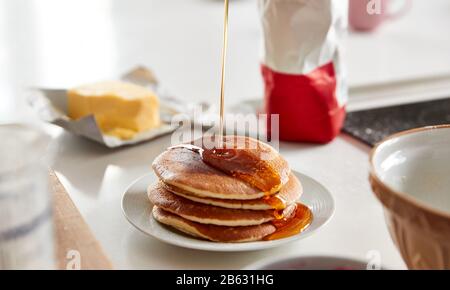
(120, 109)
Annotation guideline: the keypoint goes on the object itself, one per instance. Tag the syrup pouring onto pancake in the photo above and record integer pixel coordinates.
(246, 165)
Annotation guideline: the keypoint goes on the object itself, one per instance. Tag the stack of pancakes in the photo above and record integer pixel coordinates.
(205, 202)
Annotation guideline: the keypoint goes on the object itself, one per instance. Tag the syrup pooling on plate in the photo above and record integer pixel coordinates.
(299, 220)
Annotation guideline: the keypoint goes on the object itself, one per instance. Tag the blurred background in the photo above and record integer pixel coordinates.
(64, 43)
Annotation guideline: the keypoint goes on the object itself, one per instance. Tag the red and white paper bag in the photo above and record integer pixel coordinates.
(301, 67)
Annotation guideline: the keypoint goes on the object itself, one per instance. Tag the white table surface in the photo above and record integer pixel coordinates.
(65, 43)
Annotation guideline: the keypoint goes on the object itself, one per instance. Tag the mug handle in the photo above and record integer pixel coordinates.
(401, 12)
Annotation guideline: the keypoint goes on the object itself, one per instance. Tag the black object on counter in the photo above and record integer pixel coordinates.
(371, 126)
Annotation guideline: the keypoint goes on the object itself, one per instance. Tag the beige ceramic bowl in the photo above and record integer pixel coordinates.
(410, 175)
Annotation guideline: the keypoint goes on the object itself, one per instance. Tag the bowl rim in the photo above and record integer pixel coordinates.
(404, 197)
(266, 262)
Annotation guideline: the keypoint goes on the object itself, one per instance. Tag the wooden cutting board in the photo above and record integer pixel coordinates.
(76, 247)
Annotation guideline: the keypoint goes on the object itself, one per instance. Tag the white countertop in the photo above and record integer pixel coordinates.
(65, 43)
(96, 178)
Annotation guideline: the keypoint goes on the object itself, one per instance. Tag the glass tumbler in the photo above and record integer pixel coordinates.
(26, 227)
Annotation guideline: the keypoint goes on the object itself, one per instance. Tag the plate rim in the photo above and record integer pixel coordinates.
(229, 247)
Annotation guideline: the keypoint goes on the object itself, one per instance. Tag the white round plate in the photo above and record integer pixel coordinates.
(138, 210)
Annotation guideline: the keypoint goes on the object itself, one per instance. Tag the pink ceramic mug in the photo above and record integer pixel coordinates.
(366, 15)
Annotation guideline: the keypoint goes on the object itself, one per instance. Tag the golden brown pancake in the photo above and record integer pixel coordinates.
(213, 232)
(208, 214)
(185, 169)
(289, 193)
(247, 159)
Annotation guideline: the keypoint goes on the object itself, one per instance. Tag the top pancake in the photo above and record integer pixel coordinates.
(185, 169)
(247, 159)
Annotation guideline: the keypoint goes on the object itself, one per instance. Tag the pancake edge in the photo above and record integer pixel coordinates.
(188, 227)
(212, 221)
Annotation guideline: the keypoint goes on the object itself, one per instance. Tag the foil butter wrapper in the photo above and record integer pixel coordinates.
(51, 106)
